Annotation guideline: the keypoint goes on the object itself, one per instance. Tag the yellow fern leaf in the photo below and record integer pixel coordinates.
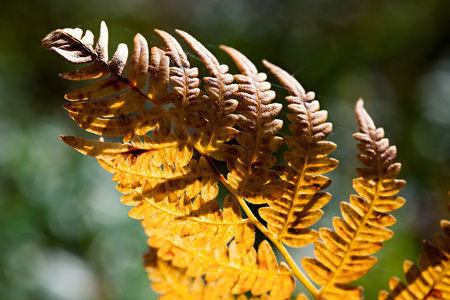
(194, 237)
(173, 283)
(150, 166)
(289, 216)
(431, 279)
(343, 255)
(195, 224)
(229, 271)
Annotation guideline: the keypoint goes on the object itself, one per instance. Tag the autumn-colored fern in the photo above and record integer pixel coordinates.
(431, 280)
(175, 131)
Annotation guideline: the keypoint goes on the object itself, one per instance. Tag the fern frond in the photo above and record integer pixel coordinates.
(431, 279)
(343, 255)
(289, 216)
(194, 237)
(124, 94)
(187, 104)
(231, 271)
(162, 167)
(250, 163)
(219, 104)
(173, 283)
(199, 250)
(197, 224)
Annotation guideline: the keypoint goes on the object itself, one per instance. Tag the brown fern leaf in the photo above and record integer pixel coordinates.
(219, 104)
(187, 104)
(343, 255)
(124, 94)
(289, 216)
(431, 280)
(250, 163)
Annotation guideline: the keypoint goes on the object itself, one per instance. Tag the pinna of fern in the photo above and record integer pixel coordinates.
(199, 249)
(431, 279)
(344, 255)
(301, 180)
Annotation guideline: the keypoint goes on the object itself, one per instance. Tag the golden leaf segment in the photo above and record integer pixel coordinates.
(199, 250)
(431, 278)
(343, 255)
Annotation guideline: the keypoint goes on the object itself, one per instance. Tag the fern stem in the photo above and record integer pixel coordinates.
(295, 269)
(289, 260)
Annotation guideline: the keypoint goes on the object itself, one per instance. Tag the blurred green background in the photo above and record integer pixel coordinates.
(64, 233)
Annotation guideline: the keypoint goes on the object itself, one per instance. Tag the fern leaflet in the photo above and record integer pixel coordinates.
(431, 280)
(343, 255)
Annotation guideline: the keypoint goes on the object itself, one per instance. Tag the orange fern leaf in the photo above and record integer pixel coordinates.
(139, 164)
(231, 272)
(174, 128)
(299, 208)
(189, 226)
(343, 255)
(193, 238)
(173, 283)
(431, 280)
